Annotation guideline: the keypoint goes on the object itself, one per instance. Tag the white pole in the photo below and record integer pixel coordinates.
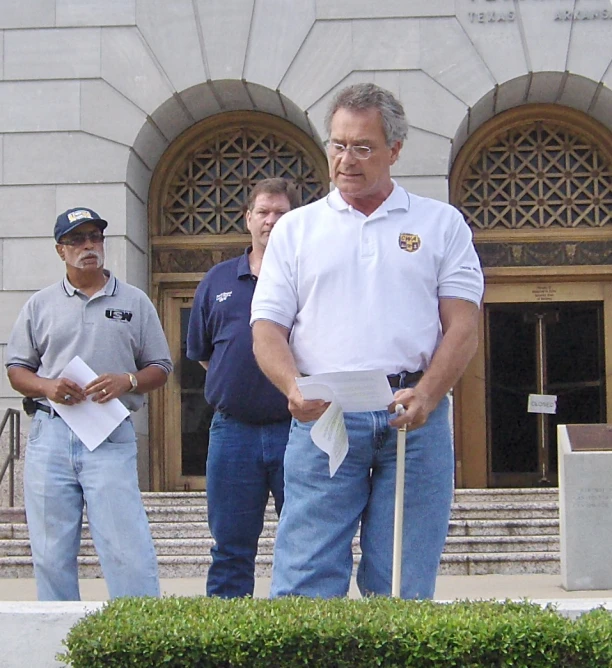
(398, 528)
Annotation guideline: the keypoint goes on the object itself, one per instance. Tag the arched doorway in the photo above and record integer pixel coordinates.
(535, 185)
(196, 206)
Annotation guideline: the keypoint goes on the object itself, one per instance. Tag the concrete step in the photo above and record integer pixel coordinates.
(198, 546)
(491, 531)
(510, 563)
(506, 495)
(478, 527)
(504, 527)
(500, 563)
(461, 496)
(520, 510)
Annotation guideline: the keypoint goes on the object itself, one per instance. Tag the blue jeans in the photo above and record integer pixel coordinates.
(60, 475)
(321, 515)
(245, 464)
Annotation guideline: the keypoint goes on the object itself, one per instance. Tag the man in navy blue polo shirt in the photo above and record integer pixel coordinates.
(250, 426)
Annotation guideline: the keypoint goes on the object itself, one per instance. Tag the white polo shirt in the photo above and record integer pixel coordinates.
(362, 292)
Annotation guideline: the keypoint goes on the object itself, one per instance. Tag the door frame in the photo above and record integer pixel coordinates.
(507, 285)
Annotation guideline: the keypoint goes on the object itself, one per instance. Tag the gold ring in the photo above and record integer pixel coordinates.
(103, 391)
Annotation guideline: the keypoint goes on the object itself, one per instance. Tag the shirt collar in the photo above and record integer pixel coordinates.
(109, 289)
(398, 199)
(244, 268)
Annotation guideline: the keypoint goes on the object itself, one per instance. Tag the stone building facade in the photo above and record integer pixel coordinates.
(160, 115)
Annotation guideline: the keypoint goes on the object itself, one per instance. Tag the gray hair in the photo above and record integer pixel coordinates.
(363, 96)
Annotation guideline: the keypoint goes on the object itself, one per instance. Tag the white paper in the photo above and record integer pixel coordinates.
(542, 403)
(90, 421)
(348, 391)
(329, 434)
(354, 390)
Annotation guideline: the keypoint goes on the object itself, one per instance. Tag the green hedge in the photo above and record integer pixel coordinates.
(203, 632)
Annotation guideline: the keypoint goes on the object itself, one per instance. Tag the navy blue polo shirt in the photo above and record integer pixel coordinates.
(219, 332)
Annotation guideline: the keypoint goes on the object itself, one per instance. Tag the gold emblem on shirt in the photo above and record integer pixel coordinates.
(409, 242)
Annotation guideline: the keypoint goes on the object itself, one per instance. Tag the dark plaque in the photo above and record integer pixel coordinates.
(590, 437)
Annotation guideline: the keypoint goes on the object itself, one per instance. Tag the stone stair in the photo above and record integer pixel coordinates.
(494, 531)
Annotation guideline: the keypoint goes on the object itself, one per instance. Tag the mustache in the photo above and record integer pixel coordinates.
(85, 255)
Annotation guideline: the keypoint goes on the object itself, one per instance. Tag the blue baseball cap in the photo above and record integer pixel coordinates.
(69, 220)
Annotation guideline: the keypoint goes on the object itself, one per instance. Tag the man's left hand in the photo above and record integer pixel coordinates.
(108, 386)
(417, 407)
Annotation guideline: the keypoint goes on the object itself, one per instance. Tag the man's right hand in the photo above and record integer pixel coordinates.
(63, 391)
(305, 410)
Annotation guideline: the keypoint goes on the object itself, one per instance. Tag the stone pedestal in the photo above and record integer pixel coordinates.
(585, 506)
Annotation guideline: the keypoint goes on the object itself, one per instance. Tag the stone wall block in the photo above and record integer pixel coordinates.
(545, 87)
(138, 176)
(109, 114)
(200, 101)
(30, 14)
(116, 257)
(450, 58)
(385, 44)
(512, 94)
(171, 32)
(483, 111)
(62, 157)
(30, 264)
(225, 26)
(64, 53)
(324, 60)
(137, 266)
(137, 221)
(365, 9)
(547, 40)
(498, 42)
(578, 93)
(430, 106)
(95, 12)
(27, 211)
(35, 106)
(583, 59)
(151, 144)
(279, 28)
(172, 118)
(603, 103)
(423, 154)
(128, 65)
(10, 305)
(107, 199)
(1, 54)
(435, 187)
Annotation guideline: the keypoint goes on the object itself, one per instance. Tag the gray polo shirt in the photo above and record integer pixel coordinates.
(115, 331)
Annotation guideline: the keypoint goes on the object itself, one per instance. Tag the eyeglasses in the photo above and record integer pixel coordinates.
(360, 152)
(81, 238)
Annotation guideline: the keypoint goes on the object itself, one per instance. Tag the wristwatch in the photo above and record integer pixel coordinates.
(133, 381)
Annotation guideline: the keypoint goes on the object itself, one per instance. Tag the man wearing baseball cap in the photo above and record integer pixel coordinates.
(115, 329)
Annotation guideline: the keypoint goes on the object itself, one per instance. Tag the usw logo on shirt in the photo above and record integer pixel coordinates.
(118, 314)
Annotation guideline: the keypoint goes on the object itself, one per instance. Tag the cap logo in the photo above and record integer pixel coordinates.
(77, 215)
(409, 242)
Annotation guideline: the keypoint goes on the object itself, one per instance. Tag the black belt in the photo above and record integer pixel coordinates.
(30, 407)
(404, 379)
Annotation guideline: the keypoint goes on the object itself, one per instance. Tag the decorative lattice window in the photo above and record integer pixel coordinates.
(206, 193)
(537, 174)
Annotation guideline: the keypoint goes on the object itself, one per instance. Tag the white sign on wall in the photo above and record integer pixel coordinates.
(542, 403)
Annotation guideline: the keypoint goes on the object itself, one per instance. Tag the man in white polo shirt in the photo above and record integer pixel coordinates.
(115, 329)
(370, 277)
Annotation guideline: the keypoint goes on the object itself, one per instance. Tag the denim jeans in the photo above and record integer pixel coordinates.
(60, 475)
(321, 515)
(245, 464)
